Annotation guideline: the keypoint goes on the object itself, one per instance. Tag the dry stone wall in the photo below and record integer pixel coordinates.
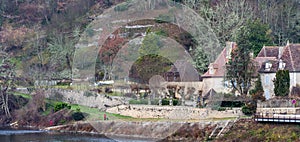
(172, 112)
(89, 99)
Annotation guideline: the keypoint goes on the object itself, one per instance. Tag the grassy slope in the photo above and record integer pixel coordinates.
(247, 130)
(92, 113)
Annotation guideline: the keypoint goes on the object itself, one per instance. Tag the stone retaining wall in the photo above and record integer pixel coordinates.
(78, 97)
(286, 110)
(172, 112)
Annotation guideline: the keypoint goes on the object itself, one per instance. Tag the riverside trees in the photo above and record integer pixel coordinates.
(7, 81)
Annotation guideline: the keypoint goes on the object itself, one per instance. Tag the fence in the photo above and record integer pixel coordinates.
(281, 118)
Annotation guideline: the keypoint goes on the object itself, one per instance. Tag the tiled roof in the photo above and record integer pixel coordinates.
(261, 60)
(274, 67)
(269, 51)
(290, 56)
(218, 66)
(220, 62)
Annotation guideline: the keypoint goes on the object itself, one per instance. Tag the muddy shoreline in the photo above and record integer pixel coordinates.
(158, 131)
(148, 131)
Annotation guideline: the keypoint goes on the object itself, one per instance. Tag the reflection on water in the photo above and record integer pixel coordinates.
(43, 136)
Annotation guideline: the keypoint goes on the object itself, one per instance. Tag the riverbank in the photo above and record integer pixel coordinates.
(158, 131)
(244, 129)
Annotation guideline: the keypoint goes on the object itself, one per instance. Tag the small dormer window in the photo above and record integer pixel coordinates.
(281, 65)
(268, 66)
(211, 70)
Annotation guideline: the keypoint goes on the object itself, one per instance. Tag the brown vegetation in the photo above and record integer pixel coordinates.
(247, 130)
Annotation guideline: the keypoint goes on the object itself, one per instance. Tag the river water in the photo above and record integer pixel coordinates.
(8, 135)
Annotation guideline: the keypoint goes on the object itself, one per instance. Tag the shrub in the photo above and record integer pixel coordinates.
(175, 102)
(77, 116)
(167, 102)
(108, 90)
(60, 106)
(232, 104)
(249, 108)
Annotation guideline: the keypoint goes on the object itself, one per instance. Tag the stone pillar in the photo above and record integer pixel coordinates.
(182, 101)
(171, 101)
(181, 92)
(160, 101)
(194, 101)
(138, 97)
(149, 100)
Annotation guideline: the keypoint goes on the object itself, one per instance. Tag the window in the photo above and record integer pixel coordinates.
(211, 71)
(268, 66)
(267, 80)
(267, 94)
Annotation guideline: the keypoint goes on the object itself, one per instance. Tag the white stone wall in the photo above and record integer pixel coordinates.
(268, 85)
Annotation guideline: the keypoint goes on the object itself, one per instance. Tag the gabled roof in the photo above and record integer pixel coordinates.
(218, 65)
(290, 55)
(261, 60)
(220, 62)
(269, 51)
(210, 94)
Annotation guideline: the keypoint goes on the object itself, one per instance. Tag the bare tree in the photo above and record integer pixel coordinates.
(7, 78)
(282, 17)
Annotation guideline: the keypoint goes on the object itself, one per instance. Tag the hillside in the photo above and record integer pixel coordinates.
(40, 35)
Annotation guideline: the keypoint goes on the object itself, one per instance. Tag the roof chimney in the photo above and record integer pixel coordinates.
(229, 47)
(280, 49)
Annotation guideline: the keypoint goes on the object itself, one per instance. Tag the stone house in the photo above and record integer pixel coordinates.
(214, 77)
(273, 58)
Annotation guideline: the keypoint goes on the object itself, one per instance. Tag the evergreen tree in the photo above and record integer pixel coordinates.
(200, 60)
(258, 91)
(282, 83)
(257, 36)
(240, 68)
(151, 44)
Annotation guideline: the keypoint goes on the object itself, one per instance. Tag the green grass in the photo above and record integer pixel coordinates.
(93, 114)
